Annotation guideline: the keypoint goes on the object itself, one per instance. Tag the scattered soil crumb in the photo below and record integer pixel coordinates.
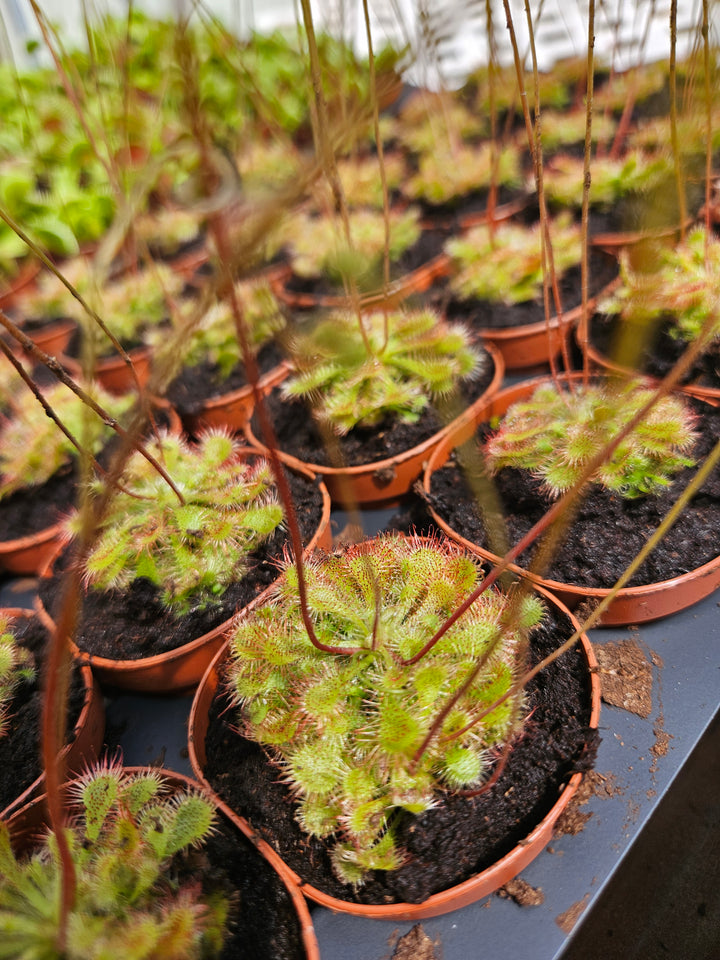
(662, 742)
(350, 533)
(594, 784)
(522, 893)
(567, 920)
(571, 821)
(625, 676)
(415, 945)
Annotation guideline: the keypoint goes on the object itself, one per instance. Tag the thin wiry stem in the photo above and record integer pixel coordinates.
(584, 266)
(677, 158)
(380, 152)
(705, 31)
(536, 152)
(219, 231)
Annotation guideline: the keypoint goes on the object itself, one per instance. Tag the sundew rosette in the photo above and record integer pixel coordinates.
(191, 539)
(347, 729)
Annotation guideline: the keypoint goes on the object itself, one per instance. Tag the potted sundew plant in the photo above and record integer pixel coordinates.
(636, 453)
(24, 644)
(666, 299)
(157, 870)
(40, 465)
(176, 551)
(329, 265)
(211, 388)
(368, 396)
(496, 285)
(376, 716)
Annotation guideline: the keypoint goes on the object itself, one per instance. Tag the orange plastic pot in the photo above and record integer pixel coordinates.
(26, 276)
(600, 362)
(463, 221)
(85, 741)
(52, 338)
(29, 821)
(637, 604)
(182, 668)
(460, 895)
(234, 409)
(417, 281)
(26, 556)
(114, 374)
(384, 481)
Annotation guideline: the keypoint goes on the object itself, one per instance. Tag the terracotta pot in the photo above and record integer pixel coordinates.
(85, 742)
(463, 221)
(386, 480)
(460, 895)
(182, 668)
(52, 338)
(615, 241)
(28, 822)
(114, 374)
(630, 605)
(417, 281)
(25, 276)
(26, 556)
(534, 344)
(234, 409)
(600, 362)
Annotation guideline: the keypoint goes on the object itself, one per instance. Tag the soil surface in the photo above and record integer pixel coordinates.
(20, 747)
(33, 509)
(193, 386)
(607, 530)
(263, 923)
(659, 353)
(132, 624)
(298, 435)
(488, 315)
(463, 834)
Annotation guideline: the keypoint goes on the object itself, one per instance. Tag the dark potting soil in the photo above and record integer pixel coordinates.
(462, 835)
(193, 386)
(33, 509)
(133, 624)
(20, 763)
(607, 531)
(484, 314)
(298, 435)
(659, 352)
(262, 924)
(426, 248)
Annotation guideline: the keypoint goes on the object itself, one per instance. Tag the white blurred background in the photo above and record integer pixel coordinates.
(627, 31)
